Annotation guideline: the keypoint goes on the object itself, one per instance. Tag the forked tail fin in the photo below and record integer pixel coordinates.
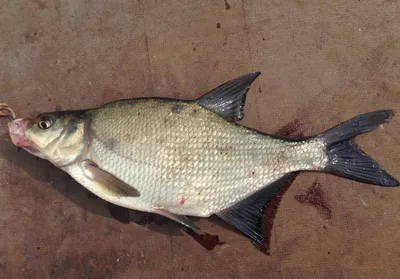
(347, 160)
(344, 159)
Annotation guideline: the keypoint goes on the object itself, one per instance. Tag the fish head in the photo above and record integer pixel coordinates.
(58, 137)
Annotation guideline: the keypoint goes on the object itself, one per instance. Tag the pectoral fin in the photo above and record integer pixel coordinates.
(180, 219)
(109, 182)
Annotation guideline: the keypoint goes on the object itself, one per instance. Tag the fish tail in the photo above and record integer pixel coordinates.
(347, 160)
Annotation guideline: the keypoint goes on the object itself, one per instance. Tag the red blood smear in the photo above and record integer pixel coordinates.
(293, 129)
(183, 200)
(208, 241)
(316, 198)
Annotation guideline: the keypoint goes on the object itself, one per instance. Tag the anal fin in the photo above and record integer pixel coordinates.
(180, 219)
(246, 215)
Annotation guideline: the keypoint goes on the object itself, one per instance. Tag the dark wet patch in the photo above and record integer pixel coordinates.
(259, 90)
(194, 48)
(378, 193)
(263, 38)
(225, 43)
(41, 4)
(176, 108)
(218, 25)
(315, 197)
(119, 213)
(207, 241)
(227, 6)
(143, 218)
(269, 216)
(293, 129)
(49, 99)
(31, 37)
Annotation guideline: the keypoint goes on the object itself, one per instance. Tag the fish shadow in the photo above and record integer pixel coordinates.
(42, 170)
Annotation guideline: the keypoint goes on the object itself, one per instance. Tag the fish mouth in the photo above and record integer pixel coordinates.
(16, 129)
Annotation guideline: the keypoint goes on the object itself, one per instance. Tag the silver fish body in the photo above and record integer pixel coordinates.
(186, 159)
(178, 158)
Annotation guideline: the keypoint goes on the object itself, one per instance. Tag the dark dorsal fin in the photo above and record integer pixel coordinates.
(246, 215)
(228, 99)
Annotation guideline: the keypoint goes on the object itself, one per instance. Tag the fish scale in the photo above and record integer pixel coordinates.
(201, 158)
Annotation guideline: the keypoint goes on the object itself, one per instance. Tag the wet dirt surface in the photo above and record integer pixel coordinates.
(321, 63)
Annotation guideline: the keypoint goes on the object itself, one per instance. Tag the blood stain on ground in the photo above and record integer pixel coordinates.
(315, 197)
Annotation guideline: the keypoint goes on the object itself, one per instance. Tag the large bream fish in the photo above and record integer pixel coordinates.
(188, 158)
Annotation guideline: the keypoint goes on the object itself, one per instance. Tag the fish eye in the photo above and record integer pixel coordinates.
(45, 122)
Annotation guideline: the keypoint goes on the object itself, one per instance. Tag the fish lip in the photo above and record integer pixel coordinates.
(17, 129)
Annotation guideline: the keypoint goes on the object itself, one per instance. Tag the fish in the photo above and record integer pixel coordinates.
(182, 158)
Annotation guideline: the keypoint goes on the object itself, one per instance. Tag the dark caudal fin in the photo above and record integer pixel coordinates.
(347, 160)
(246, 215)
